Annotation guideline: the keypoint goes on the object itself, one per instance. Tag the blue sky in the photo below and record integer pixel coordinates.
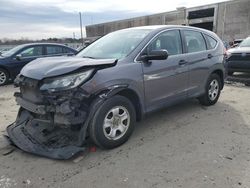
(36, 19)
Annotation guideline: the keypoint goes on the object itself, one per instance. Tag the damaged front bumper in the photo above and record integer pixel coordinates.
(54, 125)
(36, 131)
(41, 139)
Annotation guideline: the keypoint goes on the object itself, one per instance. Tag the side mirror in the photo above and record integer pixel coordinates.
(155, 55)
(18, 57)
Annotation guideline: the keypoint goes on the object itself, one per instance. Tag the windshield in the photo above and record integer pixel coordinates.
(12, 51)
(245, 43)
(115, 45)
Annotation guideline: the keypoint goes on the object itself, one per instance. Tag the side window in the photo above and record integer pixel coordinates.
(67, 51)
(211, 42)
(169, 40)
(32, 51)
(54, 50)
(194, 41)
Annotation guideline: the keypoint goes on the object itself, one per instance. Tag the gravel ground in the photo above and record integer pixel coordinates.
(186, 146)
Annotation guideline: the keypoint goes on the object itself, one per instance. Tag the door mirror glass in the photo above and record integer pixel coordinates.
(155, 55)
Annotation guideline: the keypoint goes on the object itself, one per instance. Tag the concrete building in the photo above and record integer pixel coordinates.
(230, 20)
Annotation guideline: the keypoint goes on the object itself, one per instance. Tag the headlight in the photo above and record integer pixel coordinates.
(228, 54)
(65, 82)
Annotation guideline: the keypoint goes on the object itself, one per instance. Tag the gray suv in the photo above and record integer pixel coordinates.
(111, 84)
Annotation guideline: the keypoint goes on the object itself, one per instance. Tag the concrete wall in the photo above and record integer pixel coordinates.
(175, 17)
(234, 20)
(231, 20)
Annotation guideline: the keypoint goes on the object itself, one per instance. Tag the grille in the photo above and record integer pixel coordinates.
(30, 90)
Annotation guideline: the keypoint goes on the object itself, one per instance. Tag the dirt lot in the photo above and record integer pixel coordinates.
(186, 146)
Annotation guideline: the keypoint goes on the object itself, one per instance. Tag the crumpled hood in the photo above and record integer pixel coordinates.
(55, 66)
(239, 50)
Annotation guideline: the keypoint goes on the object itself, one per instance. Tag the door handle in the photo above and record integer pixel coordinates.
(182, 62)
(209, 56)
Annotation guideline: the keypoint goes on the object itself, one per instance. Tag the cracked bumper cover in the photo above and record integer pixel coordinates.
(25, 135)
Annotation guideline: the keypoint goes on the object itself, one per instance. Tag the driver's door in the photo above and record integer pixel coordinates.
(165, 81)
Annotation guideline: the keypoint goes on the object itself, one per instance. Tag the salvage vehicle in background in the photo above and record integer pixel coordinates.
(239, 58)
(12, 61)
(102, 91)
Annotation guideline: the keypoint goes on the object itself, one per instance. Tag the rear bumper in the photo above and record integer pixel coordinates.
(42, 139)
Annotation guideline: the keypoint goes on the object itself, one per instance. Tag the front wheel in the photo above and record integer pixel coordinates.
(113, 122)
(213, 89)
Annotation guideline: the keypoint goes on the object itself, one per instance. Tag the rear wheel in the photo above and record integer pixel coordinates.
(113, 122)
(213, 89)
(4, 77)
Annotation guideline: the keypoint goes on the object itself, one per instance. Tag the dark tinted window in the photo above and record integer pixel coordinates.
(67, 50)
(53, 50)
(194, 41)
(169, 40)
(32, 51)
(211, 42)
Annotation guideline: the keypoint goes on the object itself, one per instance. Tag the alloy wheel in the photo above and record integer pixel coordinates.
(213, 90)
(3, 77)
(116, 123)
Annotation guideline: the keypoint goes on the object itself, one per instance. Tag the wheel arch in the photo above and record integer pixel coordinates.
(221, 75)
(125, 91)
(4, 68)
(135, 100)
(8, 75)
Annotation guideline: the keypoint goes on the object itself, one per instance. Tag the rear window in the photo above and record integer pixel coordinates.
(211, 42)
(53, 50)
(67, 50)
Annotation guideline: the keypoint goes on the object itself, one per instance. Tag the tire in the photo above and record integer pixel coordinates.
(230, 73)
(213, 90)
(109, 135)
(4, 77)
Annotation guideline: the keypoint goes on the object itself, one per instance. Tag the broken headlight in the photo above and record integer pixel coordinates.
(65, 82)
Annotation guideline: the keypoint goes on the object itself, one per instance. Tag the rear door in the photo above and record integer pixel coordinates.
(199, 61)
(165, 81)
